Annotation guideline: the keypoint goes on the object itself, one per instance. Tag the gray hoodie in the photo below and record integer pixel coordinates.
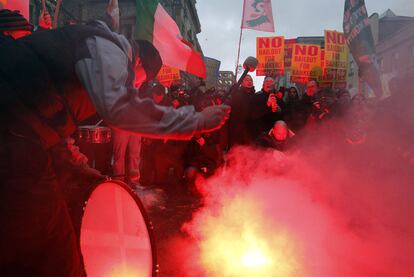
(104, 76)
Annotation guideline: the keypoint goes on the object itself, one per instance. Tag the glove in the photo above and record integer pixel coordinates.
(213, 118)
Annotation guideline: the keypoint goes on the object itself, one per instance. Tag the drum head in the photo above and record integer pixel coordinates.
(114, 237)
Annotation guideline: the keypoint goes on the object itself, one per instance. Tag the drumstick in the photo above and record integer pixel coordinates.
(99, 122)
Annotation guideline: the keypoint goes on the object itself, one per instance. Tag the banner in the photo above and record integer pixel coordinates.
(257, 15)
(167, 75)
(335, 60)
(306, 63)
(270, 54)
(358, 34)
(16, 5)
(288, 52)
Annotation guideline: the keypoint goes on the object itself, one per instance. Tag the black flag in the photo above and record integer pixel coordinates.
(358, 34)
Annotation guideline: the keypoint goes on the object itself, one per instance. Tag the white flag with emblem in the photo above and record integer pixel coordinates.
(257, 15)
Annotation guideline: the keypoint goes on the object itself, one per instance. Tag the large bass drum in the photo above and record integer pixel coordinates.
(115, 234)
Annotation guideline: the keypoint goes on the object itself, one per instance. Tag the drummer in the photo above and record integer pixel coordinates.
(50, 81)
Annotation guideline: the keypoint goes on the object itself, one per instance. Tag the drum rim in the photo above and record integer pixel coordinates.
(148, 222)
(93, 127)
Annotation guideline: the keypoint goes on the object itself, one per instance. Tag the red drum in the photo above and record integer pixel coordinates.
(115, 235)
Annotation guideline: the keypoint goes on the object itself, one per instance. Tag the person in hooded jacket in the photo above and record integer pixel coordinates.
(50, 81)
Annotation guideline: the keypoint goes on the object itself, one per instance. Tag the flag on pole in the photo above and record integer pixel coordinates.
(154, 24)
(358, 34)
(257, 15)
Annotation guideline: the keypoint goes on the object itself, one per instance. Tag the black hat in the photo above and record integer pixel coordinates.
(150, 57)
(13, 21)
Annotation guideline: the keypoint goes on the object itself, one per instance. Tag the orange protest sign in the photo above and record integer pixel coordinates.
(270, 54)
(336, 60)
(167, 75)
(306, 63)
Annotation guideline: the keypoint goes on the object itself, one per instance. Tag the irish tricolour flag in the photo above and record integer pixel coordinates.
(155, 25)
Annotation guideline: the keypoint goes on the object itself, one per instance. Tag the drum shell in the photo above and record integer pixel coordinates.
(94, 134)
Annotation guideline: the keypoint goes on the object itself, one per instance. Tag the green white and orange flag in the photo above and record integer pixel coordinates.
(154, 24)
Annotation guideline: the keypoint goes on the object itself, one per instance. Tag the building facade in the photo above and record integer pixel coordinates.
(226, 80)
(184, 13)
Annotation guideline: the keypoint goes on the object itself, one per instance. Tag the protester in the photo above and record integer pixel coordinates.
(318, 105)
(295, 114)
(279, 138)
(239, 131)
(343, 103)
(178, 96)
(203, 157)
(126, 142)
(70, 73)
(123, 143)
(266, 108)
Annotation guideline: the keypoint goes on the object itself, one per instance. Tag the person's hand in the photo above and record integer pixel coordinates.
(76, 157)
(201, 141)
(272, 102)
(271, 99)
(213, 118)
(45, 20)
(317, 105)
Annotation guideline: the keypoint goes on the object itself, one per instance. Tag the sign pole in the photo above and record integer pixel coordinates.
(238, 53)
(240, 39)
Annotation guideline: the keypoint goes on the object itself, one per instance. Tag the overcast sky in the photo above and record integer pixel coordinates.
(220, 23)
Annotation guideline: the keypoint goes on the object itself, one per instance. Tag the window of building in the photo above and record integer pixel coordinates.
(395, 61)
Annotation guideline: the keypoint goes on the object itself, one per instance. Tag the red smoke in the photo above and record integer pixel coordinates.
(325, 211)
(331, 209)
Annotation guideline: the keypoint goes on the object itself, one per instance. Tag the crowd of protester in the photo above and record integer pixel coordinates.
(266, 118)
(273, 117)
